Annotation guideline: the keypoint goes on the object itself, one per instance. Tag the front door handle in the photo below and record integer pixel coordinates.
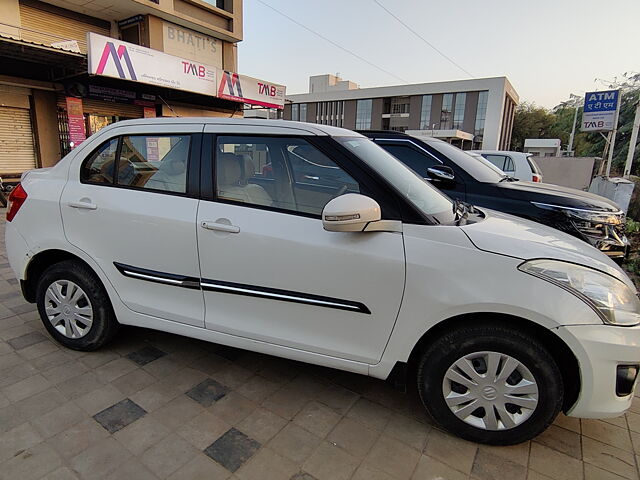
(85, 205)
(220, 227)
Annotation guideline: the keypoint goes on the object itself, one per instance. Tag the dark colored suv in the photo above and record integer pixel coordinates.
(592, 218)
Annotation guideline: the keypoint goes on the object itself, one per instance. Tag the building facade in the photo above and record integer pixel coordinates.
(474, 113)
(70, 68)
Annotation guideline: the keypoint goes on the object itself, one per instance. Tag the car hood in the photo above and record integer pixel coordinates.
(515, 237)
(557, 195)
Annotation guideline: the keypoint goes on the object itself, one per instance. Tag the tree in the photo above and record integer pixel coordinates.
(530, 121)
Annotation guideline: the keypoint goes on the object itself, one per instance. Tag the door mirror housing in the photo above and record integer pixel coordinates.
(351, 212)
(441, 173)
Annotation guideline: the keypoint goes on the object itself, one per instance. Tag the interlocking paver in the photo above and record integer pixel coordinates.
(208, 392)
(258, 417)
(26, 340)
(232, 449)
(146, 355)
(118, 416)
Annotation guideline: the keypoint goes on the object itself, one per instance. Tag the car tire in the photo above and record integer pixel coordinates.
(75, 307)
(466, 369)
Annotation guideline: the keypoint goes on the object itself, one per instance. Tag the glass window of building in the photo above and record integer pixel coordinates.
(295, 112)
(458, 110)
(302, 112)
(481, 113)
(446, 120)
(425, 112)
(363, 114)
(399, 105)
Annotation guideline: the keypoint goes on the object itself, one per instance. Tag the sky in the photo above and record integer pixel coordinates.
(547, 48)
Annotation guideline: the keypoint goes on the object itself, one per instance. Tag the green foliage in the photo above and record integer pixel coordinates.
(632, 226)
(532, 121)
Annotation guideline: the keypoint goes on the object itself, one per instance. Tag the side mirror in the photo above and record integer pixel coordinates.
(350, 213)
(441, 173)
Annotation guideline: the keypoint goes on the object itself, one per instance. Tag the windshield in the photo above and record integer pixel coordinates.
(481, 170)
(422, 195)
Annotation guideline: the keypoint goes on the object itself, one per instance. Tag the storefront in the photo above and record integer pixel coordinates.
(125, 81)
(53, 98)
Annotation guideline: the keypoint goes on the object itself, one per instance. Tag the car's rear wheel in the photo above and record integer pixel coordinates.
(75, 307)
(490, 384)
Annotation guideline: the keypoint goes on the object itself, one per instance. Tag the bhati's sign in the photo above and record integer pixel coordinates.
(113, 58)
(600, 111)
(126, 61)
(187, 43)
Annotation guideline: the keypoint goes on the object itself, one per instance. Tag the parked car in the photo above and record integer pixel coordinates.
(169, 224)
(515, 164)
(589, 217)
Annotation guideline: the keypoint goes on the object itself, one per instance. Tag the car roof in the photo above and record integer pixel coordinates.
(503, 152)
(300, 127)
(399, 135)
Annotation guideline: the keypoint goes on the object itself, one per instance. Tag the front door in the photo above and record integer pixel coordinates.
(131, 210)
(271, 273)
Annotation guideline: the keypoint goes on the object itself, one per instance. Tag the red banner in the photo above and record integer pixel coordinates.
(75, 118)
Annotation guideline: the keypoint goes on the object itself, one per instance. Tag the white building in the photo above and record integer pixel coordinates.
(475, 113)
(543, 147)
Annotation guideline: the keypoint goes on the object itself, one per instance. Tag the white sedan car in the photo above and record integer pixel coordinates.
(515, 164)
(215, 229)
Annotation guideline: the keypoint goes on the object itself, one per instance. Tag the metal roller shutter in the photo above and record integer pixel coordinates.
(49, 28)
(100, 107)
(17, 151)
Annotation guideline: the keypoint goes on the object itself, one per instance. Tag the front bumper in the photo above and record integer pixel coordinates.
(600, 349)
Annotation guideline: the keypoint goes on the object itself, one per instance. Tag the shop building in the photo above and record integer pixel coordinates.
(68, 70)
(476, 113)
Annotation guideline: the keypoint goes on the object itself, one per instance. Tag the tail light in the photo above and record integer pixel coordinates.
(16, 199)
(536, 178)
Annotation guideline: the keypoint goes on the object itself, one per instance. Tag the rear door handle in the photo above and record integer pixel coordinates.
(220, 227)
(85, 205)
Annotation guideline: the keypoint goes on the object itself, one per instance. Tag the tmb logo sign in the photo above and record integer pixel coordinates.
(194, 69)
(266, 89)
(230, 81)
(117, 55)
(600, 110)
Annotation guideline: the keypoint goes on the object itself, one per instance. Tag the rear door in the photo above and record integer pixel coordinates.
(131, 204)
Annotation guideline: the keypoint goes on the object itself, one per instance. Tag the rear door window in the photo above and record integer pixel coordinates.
(154, 162)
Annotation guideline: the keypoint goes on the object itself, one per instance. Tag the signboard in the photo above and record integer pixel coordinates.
(190, 44)
(600, 111)
(75, 118)
(114, 58)
(131, 20)
(118, 95)
(241, 88)
(70, 45)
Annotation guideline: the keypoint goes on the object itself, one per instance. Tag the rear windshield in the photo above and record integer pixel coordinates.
(534, 166)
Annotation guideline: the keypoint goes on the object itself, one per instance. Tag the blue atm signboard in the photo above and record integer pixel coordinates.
(600, 111)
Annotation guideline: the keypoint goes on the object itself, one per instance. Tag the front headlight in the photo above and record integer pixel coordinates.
(596, 216)
(614, 301)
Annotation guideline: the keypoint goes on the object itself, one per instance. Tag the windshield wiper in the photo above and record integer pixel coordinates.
(460, 210)
(507, 178)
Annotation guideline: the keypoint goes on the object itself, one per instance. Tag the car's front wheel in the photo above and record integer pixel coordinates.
(490, 384)
(75, 307)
